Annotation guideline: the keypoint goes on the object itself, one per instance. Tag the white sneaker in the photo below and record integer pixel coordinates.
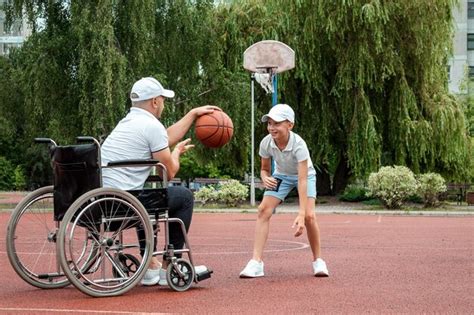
(151, 277)
(253, 269)
(164, 282)
(319, 268)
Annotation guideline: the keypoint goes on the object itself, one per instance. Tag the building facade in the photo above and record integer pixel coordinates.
(13, 36)
(461, 64)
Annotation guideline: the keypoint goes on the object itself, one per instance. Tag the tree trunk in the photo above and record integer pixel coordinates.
(341, 177)
(323, 181)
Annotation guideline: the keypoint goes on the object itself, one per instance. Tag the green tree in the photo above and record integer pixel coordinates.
(373, 73)
(101, 67)
(369, 88)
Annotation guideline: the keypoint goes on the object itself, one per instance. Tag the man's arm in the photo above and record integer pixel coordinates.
(178, 130)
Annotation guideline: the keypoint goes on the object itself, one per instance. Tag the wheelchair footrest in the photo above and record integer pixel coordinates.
(204, 275)
(50, 275)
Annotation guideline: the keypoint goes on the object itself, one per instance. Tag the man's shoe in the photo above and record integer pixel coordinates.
(319, 268)
(163, 277)
(253, 269)
(164, 282)
(151, 277)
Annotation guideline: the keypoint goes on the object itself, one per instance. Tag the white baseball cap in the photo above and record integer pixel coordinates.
(280, 112)
(147, 88)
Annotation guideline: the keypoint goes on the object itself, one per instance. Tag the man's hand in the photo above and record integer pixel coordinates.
(206, 109)
(183, 146)
(299, 224)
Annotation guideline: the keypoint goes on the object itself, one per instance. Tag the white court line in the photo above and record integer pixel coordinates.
(49, 310)
(379, 219)
(299, 246)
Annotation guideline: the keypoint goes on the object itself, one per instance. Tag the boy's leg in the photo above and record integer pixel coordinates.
(312, 229)
(265, 210)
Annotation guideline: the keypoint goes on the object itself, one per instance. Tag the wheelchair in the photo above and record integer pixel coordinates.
(99, 239)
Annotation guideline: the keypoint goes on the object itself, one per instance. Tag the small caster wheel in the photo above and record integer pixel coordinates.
(128, 264)
(180, 275)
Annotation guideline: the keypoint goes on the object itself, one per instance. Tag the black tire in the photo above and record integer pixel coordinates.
(109, 216)
(31, 241)
(180, 282)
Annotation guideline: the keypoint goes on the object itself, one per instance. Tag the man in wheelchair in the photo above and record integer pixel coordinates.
(141, 135)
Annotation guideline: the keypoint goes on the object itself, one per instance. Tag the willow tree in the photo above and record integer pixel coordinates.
(45, 98)
(187, 57)
(373, 73)
(134, 25)
(75, 72)
(101, 67)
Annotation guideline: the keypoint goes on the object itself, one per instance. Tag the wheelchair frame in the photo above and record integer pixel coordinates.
(93, 245)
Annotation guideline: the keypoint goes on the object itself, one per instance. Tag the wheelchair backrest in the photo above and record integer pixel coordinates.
(76, 171)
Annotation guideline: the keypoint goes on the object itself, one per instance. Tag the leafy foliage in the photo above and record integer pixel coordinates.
(19, 178)
(354, 193)
(372, 72)
(429, 186)
(230, 193)
(7, 174)
(392, 185)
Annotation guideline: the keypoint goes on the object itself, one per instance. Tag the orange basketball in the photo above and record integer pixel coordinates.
(214, 130)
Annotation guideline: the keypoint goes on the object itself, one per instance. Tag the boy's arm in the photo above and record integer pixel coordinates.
(303, 185)
(266, 173)
(303, 197)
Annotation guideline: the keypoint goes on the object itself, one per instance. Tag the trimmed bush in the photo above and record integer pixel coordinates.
(20, 180)
(230, 193)
(206, 194)
(354, 193)
(429, 186)
(392, 185)
(7, 174)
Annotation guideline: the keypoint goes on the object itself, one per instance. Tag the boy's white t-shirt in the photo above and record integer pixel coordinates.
(286, 161)
(135, 137)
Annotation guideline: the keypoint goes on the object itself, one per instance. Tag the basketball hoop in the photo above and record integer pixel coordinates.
(265, 80)
(265, 60)
(269, 56)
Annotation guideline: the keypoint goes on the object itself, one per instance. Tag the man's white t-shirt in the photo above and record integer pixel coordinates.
(136, 136)
(286, 160)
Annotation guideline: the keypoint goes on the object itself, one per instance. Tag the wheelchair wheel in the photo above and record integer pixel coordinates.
(180, 275)
(31, 241)
(111, 217)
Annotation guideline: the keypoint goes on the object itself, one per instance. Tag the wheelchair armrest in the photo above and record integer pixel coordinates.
(122, 163)
(138, 163)
(45, 140)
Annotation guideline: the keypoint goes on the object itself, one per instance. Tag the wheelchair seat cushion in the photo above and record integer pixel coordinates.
(153, 200)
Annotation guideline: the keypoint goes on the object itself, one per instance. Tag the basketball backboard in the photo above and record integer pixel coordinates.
(269, 56)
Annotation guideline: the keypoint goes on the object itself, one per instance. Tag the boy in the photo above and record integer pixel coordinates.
(293, 168)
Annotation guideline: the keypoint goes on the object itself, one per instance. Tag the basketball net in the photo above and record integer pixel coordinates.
(266, 81)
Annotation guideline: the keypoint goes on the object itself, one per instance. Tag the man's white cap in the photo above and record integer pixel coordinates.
(280, 112)
(147, 88)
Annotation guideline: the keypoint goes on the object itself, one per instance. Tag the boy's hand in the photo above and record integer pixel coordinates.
(299, 224)
(269, 182)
